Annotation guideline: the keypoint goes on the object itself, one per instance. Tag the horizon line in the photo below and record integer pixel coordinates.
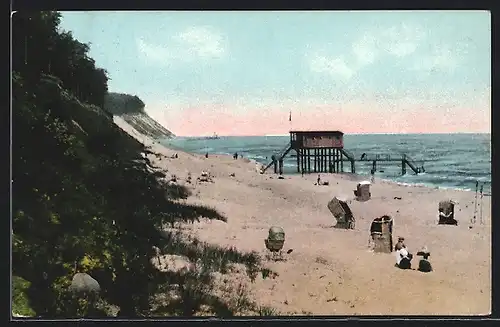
(387, 133)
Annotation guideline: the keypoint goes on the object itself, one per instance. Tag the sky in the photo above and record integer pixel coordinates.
(244, 72)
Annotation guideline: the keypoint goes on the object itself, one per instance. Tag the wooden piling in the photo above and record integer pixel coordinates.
(322, 162)
(330, 164)
(298, 160)
(315, 160)
(341, 161)
(325, 157)
(309, 160)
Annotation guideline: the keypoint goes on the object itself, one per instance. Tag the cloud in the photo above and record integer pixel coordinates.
(332, 66)
(202, 42)
(398, 41)
(192, 44)
(442, 58)
(404, 40)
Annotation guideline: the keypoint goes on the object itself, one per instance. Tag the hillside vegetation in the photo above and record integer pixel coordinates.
(86, 199)
(131, 109)
(120, 103)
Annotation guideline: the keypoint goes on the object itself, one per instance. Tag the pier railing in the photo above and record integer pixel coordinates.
(348, 154)
(284, 151)
(403, 158)
(279, 155)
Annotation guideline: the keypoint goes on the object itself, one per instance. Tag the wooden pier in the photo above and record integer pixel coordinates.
(323, 152)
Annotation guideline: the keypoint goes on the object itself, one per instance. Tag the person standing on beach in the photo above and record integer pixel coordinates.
(372, 179)
(319, 179)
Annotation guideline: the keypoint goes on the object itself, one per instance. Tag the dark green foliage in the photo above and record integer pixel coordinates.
(119, 103)
(84, 199)
(19, 297)
(267, 311)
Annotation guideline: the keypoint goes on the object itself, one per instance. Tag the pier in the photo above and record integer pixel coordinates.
(323, 152)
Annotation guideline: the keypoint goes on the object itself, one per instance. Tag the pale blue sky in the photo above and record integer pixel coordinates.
(243, 60)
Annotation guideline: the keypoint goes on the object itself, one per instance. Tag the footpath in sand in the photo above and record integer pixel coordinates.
(331, 271)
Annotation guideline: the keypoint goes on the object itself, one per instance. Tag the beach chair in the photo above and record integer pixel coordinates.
(446, 213)
(342, 213)
(275, 241)
(362, 191)
(381, 234)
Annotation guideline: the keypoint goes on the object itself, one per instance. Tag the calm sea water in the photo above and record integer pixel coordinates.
(454, 160)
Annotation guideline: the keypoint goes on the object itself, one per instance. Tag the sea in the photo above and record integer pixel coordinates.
(455, 161)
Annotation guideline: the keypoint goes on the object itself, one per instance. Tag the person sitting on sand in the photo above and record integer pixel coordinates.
(424, 265)
(400, 244)
(403, 258)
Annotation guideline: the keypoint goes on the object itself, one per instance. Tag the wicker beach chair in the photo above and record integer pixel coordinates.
(446, 213)
(342, 213)
(275, 241)
(381, 234)
(362, 191)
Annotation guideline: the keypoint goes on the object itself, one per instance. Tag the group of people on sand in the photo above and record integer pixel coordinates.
(404, 257)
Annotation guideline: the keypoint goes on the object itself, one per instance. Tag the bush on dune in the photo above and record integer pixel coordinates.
(84, 197)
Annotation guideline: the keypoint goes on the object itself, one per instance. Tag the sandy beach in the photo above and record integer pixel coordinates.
(332, 271)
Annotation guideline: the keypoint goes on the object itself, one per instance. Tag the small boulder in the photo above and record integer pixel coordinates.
(83, 283)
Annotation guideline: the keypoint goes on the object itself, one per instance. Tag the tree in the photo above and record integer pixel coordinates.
(84, 199)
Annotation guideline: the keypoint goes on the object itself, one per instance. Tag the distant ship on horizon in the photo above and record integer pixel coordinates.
(213, 137)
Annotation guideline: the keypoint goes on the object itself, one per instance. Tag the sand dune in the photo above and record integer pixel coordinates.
(331, 271)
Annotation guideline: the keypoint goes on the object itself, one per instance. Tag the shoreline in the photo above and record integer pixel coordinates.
(357, 176)
(329, 263)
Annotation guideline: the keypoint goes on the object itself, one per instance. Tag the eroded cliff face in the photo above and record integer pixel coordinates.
(147, 125)
(131, 109)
